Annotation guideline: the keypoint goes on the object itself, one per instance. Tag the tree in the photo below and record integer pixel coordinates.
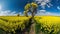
(18, 13)
(30, 7)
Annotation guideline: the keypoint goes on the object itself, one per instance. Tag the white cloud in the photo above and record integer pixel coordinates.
(44, 3)
(21, 14)
(58, 7)
(7, 13)
(44, 12)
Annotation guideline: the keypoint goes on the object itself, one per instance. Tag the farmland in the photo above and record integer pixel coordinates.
(12, 23)
(46, 24)
(49, 24)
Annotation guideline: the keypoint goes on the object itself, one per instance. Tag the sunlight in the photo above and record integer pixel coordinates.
(0, 7)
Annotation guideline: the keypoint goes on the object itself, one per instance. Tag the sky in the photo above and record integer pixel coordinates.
(46, 7)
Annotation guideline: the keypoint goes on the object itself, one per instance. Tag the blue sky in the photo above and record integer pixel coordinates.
(46, 7)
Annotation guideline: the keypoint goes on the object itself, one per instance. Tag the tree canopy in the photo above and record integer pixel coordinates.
(30, 7)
